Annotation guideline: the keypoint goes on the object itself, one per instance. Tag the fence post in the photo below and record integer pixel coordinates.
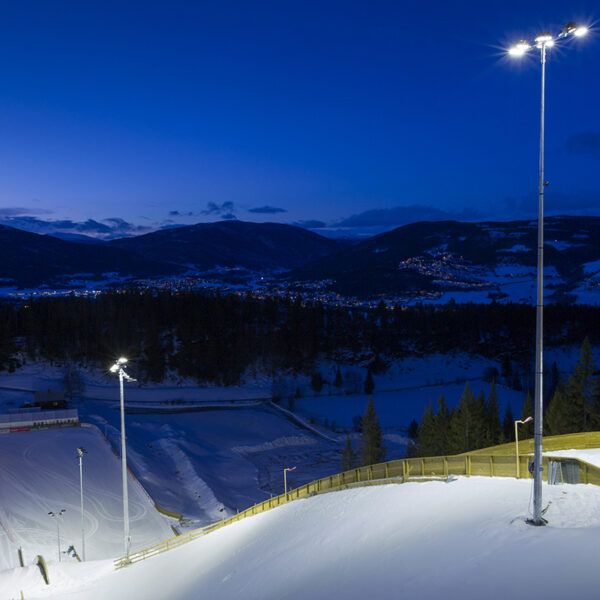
(445, 466)
(491, 465)
(423, 467)
(387, 470)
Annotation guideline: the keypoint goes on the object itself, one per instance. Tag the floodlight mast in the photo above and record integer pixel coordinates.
(543, 41)
(80, 452)
(118, 368)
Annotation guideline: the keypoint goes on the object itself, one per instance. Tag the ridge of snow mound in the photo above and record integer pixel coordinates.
(462, 540)
(282, 442)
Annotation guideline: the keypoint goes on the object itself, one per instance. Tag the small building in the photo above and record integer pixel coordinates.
(50, 400)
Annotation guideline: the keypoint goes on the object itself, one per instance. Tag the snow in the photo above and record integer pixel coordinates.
(461, 540)
(40, 474)
(591, 455)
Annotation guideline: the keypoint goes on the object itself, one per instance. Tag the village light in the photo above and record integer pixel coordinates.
(118, 368)
(542, 42)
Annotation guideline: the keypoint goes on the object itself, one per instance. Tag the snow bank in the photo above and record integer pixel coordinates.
(462, 540)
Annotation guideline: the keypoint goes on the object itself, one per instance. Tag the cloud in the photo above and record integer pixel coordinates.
(267, 210)
(106, 229)
(584, 144)
(16, 211)
(311, 224)
(228, 217)
(212, 208)
(177, 213)
(401, 215)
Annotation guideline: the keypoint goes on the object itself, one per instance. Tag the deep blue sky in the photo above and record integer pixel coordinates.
(291, 111)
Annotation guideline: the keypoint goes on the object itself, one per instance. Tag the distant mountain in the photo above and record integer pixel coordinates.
(254, 246)
(76, 237)
(438, 257)
(32, 260)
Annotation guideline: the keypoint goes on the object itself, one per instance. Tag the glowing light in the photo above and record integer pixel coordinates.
(519, 48)
(544, 39)
(580, 31)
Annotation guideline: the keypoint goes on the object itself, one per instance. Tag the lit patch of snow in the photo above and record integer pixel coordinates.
(461, 540)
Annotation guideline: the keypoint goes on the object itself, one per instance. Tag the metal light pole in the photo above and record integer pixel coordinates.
(542, 42)
(57, 515)
(517, 443)
(118, 368)
(80, 452)
(285, 479)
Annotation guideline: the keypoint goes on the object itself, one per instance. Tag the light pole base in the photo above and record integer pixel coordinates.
(534, 524)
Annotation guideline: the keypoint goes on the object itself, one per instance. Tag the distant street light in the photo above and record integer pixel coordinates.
(285, 479)
(80, 452)
(118, 368)
(517, 443)
(57, 515)
(542, 42)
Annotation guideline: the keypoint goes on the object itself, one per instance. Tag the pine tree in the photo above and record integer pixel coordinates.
(461, 424)
(556, 418)
(338, 382)
(527, 429)
(372, 450)
(348, 456)
(494, 428)
(508, 424)
(580, 390)
(427, 433)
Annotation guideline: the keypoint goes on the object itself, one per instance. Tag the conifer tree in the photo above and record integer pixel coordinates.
(461, 427)
(338, 382)
(348, 456)
(526, 429)
(372, 450)
(556, 418)
(580, 390)
(494, 428)
(508, 424)
(427, 433)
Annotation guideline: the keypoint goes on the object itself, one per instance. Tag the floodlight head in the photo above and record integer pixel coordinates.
(519, 48)
(122, 361)
(572, 28)
(114, 368)
(544, 39)
(81, 451)
(580, 31)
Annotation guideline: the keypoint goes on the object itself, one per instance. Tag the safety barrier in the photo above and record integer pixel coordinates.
(395, 471)
(43, 568)
(577, 441)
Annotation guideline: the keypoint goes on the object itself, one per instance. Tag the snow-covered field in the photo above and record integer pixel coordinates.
(40, 474)
(463, 540)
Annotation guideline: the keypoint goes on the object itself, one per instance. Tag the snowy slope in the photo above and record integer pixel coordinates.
(463, 540)
(39, 473)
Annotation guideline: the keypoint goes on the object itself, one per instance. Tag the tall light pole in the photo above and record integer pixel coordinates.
(57, 515)
(542, 42)
(118, 368)
(80, 452)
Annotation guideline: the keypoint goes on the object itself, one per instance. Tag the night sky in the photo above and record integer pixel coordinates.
(123, 117)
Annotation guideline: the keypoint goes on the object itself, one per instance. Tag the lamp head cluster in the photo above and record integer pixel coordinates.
(118, 364)
(81, 451)
(546, 40)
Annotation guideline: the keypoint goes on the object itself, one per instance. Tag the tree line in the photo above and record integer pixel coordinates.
(574, 406)
(218, 338)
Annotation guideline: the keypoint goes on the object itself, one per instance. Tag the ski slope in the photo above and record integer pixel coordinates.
(39, 473)
(465, 540)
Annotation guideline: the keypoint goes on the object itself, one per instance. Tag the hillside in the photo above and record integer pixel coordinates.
(461, 540)
(254, 246)
(495, 259)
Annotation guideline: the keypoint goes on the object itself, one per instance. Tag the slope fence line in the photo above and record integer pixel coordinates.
(396, 471)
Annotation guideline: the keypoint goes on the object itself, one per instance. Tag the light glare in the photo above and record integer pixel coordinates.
(519, 48)
(580, 31)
